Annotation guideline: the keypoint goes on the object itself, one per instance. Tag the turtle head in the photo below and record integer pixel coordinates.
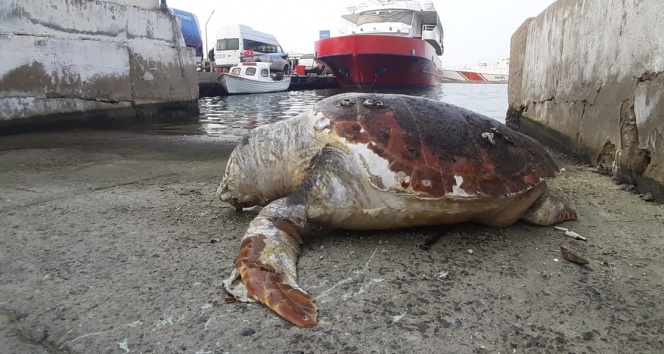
(237, 188)
(269, 163)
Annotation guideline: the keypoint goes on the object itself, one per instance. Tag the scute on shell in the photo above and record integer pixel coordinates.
(437, 149)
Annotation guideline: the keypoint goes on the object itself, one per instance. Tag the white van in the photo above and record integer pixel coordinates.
(239, 41)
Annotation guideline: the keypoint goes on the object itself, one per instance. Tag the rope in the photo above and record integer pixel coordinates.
(211, 86)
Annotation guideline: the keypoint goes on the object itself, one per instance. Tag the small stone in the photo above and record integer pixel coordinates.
(247, 332)
(587, 335)
(470, 251)
(648, 197)
(571, 256)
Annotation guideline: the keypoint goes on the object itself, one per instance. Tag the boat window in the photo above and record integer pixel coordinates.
(235, 71)
(265, 72)
(228, 44)
(250, 72)
(405, 16)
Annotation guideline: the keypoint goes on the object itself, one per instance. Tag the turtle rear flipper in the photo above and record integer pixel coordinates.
(267, 261)
(548, 210)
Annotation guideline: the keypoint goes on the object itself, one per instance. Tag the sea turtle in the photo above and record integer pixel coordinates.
(366, 161)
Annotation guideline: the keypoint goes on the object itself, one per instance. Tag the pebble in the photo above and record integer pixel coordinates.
(648, 197)
(247, 332)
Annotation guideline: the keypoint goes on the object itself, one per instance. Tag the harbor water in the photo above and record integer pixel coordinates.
(232, 116)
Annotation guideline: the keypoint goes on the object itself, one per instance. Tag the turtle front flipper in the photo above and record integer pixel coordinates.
(267, 261)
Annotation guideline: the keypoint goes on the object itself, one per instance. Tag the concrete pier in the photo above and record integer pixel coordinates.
(115, 242)
(67, 61)
(585, 77)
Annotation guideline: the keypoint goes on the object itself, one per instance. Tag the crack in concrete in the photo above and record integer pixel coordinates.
(648, 76)
(92, 190)
(84, 98)
(583, 116)
(130, 54)
(554, 100)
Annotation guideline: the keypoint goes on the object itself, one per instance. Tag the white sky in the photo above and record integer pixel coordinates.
(475, 30)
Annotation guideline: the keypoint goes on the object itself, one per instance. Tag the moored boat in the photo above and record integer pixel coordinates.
(253, 77)
(393, 43)
(495, 72)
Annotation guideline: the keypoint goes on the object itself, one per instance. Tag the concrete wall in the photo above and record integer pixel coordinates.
(586, 77)
(94, 60)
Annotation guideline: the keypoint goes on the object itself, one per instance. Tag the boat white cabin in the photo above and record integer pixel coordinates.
(407, 18)
(253, 77)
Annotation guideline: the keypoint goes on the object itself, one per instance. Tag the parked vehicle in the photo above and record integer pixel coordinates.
(191, 32)
(307, 60)
(233, 43)
(253, 77)
(311, 65)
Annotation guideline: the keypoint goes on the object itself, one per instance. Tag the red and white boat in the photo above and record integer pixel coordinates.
(496, 72)
(391, 43)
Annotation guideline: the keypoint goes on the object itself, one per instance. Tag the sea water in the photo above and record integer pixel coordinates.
(232, 116)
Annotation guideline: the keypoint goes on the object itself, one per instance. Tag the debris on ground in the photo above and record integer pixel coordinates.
(648, 197)
(574, 235)
(572, 257)
(570, 233)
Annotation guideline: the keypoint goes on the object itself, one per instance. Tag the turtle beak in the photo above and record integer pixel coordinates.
(227, 196)
(227, 187)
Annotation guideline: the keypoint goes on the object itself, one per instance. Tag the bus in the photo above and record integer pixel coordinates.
(191, 32)
(238, 41)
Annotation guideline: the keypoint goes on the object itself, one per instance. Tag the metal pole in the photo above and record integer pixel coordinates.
(206, 41)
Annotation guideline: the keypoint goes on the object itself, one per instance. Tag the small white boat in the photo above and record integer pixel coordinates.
(253, 77)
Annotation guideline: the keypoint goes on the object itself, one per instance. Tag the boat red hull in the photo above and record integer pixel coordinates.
(359, 60)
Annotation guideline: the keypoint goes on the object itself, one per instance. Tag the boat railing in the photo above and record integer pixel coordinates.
(432, 35)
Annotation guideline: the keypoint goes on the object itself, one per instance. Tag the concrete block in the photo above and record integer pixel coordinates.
(586, 78)
(75, 60)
